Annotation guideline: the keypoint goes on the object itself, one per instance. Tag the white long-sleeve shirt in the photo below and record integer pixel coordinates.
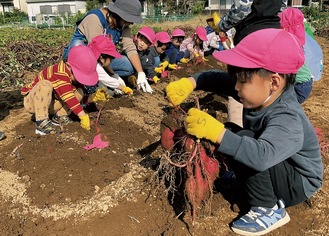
(107, 80)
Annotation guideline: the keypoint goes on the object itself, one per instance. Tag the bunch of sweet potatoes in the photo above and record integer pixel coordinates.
(201, 167)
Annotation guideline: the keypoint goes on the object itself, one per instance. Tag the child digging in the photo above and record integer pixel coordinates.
(276, 157)
(57, 90)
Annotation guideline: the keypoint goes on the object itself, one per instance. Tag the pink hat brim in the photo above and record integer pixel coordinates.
(231, 57)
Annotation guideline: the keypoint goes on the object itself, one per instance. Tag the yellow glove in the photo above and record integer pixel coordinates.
(158, 70)
(172, 66)
(196, 54)
(216, 18)
(203, 125)
(205, 59)
(156, 79)
(164, 64)
(178, 91)
(127, 90)
(85, 122)
(101, 95)
(184, 60)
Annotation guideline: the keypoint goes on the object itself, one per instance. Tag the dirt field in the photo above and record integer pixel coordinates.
(52, 186)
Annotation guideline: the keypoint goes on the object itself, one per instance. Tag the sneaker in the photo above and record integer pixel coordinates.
(60, 120)
(261, 220)
(46, 127)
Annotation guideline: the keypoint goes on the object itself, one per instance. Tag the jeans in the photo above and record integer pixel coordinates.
(156, 61)
(303, 90)
(122, 66)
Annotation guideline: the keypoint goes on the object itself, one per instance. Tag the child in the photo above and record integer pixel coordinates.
(192, 47)
(158, 51)
(277, 156)
(105, 50)
(145, 38)
(223, 37)
(173, 52)
(58, 89)
(213, 43)
(292, 20)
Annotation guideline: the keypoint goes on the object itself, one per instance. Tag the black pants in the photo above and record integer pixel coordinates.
(266, 187)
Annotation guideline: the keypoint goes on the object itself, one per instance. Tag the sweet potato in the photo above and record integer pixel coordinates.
(189, 144)
(210, 164)
(199, 183)
(167, 139)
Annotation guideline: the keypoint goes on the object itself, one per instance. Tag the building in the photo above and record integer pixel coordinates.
(37, 10)
(9, 5)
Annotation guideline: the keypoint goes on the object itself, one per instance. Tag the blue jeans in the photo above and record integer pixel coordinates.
(303, 90)
(122, 66)
(156, 61)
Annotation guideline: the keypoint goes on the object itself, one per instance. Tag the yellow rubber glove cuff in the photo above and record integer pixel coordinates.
(203, 125)
(156, 79)
(178, 91)
(158, 70)
(127, 90)
(164, 64)
(101, 95)
(172, 66)
(85, 122)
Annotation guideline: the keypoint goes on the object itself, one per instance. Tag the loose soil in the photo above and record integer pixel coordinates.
(51, 185)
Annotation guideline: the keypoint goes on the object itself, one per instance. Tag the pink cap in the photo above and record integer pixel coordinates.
(292, 20)
(102, 44)
(148, 33)
(178, 33)
(202, 33)
(83, 63)
(272, 49)
(162, 37)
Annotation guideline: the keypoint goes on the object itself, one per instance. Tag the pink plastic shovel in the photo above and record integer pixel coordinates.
(97, 143)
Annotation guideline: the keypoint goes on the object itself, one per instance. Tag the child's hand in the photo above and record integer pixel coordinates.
(172, 66)
(85, 122)
(158, 70)
(184, 60)
(143, 84)
(127, 90)
(156, 79)
(101, 95)
(178, 91)
(203, 125)
(164, 64)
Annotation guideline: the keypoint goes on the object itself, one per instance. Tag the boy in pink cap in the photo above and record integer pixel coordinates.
(57, 89)
(162, 43)
(173, 53)
(144, 40)
(105, 51)
(276, 158)
(193, 46)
